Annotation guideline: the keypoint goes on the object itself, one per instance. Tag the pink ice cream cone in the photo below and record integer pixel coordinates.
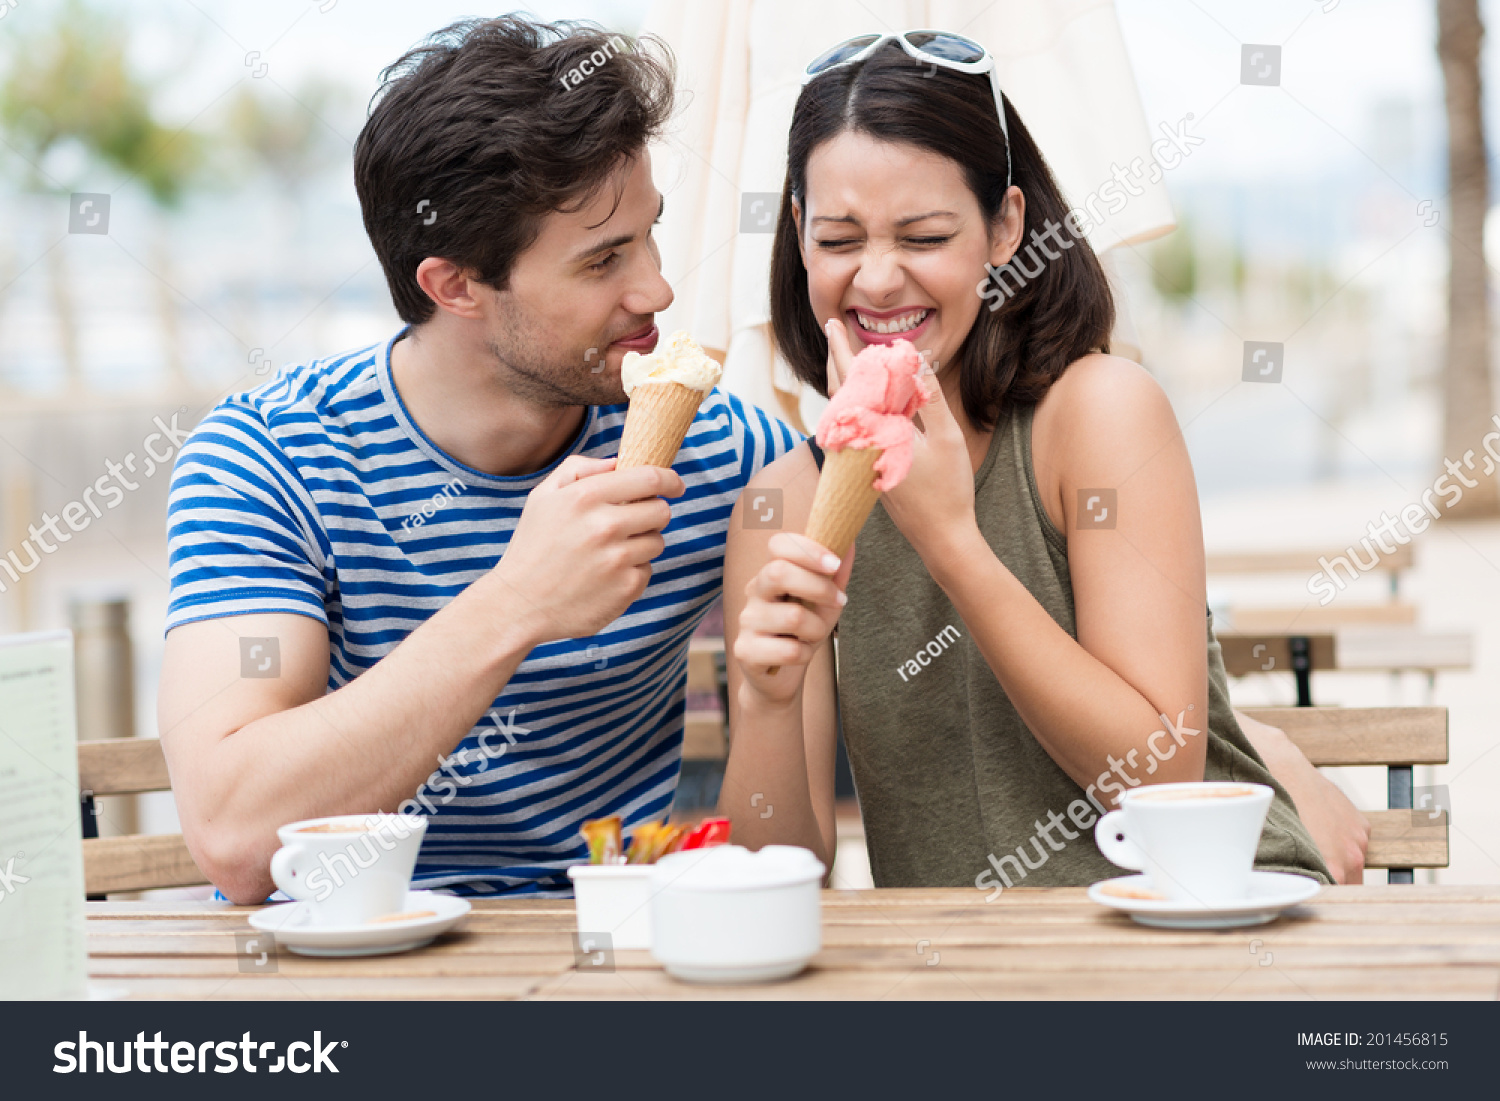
(866, 432)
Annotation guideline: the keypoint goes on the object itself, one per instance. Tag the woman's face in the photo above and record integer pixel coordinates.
(892, 238)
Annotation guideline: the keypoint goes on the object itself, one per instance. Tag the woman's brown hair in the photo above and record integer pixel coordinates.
(1025, 339)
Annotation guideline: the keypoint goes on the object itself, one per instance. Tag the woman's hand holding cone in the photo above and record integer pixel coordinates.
(792, 606)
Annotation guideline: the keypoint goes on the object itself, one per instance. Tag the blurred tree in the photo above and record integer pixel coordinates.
(1468, 395)
(287, 134)
(71, 84)
(288, 137)
(1174, 264)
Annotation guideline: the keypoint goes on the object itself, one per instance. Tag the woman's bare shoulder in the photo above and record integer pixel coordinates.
(1102, 419)
(1098, 402)
(1104, 385)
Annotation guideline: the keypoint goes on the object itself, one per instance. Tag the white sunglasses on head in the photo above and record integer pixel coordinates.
(941, 48)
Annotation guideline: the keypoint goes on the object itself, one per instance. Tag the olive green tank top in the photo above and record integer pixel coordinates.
(951, 783)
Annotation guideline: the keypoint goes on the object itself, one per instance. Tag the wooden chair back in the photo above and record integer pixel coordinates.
(138, 862)
(1397, 738)
(706, 736)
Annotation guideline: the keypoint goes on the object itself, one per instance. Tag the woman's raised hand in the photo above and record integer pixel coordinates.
(840, 355)
(934, 504)
(791, 607)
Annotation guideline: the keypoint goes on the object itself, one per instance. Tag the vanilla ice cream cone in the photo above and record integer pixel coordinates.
(665, 389)
(658, 420)
(845, 495)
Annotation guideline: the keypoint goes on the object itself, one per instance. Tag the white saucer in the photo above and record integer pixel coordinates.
(287, 922)
(1270, 893)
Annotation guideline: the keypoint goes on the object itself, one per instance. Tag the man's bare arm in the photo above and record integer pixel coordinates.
(249, 754)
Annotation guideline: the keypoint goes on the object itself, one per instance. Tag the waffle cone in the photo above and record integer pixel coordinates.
(845, 495)
(656, 423)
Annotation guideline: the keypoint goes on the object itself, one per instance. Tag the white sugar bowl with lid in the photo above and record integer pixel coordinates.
(728, 915)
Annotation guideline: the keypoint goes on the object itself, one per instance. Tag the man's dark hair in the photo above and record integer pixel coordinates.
(1014, 352)
(487, 127)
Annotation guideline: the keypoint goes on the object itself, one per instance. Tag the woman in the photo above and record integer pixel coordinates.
(1008, 651)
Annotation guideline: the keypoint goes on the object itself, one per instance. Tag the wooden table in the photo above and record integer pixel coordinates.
(1387, 942)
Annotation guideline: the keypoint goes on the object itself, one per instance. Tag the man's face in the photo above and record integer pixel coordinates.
(583, 295)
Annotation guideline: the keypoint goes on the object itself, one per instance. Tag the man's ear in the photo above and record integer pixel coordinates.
(449, 286)
(1008, 230)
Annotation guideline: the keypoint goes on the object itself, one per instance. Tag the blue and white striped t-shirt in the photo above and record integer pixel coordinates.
(317, 494)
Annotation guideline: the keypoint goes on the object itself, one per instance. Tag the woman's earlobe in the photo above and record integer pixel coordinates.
(1004, 249)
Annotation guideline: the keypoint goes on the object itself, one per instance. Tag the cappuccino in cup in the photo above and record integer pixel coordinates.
(349, 869)
(1195, 841)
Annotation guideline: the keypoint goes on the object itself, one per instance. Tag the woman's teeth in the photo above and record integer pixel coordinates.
(905, 323)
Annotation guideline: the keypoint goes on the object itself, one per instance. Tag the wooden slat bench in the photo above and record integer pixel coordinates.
(1300, 651)
(1250, 620)
(1308, 618)
(1307, 562)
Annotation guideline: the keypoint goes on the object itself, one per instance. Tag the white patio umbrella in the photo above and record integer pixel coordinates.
(1062, 63)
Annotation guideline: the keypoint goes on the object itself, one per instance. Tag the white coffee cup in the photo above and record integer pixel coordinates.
(1196, 841)
(349, 868)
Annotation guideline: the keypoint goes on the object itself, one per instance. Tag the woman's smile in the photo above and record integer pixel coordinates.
(888, 326)
(893, 240)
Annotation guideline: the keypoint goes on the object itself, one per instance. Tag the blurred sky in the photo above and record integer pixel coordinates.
(1360, 92)
(1360, 85)
(1342, 58)
(1339, 67)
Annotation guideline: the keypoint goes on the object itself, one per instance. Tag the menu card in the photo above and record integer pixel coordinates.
(42, 949)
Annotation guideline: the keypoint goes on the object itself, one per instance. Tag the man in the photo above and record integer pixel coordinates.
(408, 577)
